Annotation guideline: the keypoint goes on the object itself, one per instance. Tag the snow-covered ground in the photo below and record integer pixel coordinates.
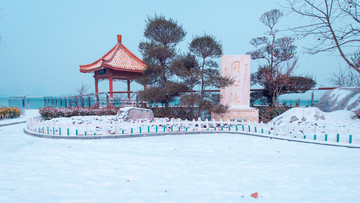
(186, 168)
(314, 116)
(28, 114)
(312, 121)
(306, 124)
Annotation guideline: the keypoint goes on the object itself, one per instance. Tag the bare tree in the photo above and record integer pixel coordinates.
(345, 78)
(276, 73)
(82, 90)
(272, 50)
(334, 25)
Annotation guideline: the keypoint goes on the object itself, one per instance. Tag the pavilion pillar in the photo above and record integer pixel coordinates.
(128, 89)
(111, 86)
(96, 85)
(96, 91)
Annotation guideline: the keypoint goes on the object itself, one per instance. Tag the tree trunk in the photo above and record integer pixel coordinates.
(202, 89)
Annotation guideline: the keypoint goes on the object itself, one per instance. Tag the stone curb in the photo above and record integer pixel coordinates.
(15, 123)
(92, 137)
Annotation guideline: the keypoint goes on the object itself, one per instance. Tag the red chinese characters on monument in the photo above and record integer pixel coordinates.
(237, 67)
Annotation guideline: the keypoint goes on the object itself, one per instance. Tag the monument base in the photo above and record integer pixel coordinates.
(247, 114)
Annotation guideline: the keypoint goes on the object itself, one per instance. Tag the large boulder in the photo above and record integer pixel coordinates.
(133, 113)
(341, 99)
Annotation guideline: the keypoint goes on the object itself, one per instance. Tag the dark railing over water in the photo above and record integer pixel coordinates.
(119, 99)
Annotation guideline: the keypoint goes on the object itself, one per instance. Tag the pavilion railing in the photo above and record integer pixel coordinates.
(119, 99)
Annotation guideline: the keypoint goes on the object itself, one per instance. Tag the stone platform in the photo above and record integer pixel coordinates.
(247, 114)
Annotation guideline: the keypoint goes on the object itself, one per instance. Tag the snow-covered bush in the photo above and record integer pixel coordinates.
(48, 113)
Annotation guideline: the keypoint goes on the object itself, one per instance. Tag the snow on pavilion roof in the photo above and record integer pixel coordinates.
(118, 58)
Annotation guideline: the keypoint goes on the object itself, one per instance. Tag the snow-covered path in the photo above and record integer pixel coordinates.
(186, 168)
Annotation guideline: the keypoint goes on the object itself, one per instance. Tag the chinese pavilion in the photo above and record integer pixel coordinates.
(118, 64)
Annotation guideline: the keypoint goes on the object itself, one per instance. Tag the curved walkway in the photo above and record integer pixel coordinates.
(41, 135)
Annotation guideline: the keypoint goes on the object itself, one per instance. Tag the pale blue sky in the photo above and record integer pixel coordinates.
(44, 42)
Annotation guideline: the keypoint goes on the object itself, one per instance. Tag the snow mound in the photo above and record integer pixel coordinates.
(313, 115)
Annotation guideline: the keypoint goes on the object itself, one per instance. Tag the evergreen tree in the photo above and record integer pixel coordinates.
(159, 50)
(201, 72)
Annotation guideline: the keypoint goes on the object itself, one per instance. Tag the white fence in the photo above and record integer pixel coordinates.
(331, 133)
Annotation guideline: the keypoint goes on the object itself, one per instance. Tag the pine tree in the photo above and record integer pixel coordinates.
(159, 50)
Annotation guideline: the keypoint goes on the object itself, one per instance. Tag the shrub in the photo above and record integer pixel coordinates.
(9, 112)
(266, 114)
(171, 112)
(48, 113)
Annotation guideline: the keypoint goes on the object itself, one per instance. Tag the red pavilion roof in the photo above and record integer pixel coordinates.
(118, 58)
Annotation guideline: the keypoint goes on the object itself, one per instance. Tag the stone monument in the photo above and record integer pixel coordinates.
(237, 96)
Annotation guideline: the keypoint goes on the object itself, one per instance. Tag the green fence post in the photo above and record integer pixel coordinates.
(164, 128)
(47, 130)
(172, 128)
(326, 137)
(140, 129)
(229, 128)
(262, 131)
(67, 131)
(53, 130)
(350, 139)
(179, 128)
(59, 131)
(305, 137)
(249, 128)
(148, 129)
(76, 132)
(85, 133)
(236, 127)
(243, 128)
(314, 137)
(222, 128)
(337, 138)
(123, 132)
(132, 130)
(255, 130)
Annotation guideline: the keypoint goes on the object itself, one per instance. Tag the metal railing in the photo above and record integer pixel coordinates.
(120, 99)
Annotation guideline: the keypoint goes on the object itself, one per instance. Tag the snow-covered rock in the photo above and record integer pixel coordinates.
(312, 115)
(341, 99)
(133, 113)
